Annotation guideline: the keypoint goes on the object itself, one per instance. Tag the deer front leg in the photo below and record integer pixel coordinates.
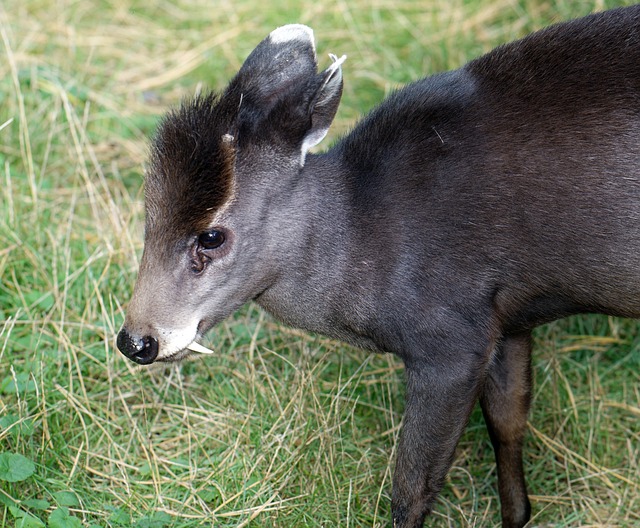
(441, 393)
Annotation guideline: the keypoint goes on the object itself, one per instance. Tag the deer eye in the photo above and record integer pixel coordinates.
(211, 239)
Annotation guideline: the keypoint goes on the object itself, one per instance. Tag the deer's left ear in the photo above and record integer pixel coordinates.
(325, 104)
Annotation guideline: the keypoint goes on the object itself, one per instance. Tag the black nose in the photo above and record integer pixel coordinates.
(142, 350)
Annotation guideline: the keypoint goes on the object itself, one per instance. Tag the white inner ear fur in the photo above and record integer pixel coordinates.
(336, 64)
(333, 79)
(311, 141)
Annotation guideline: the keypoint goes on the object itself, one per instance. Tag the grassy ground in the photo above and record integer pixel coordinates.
(280, 428)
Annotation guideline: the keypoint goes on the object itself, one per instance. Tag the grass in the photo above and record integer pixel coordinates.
(280, 428)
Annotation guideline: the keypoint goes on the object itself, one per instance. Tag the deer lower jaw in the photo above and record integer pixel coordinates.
(178, 342)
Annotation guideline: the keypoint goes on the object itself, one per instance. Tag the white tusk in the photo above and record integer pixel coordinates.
(197, 347)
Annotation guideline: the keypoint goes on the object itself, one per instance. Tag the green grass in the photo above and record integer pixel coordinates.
(279, 428)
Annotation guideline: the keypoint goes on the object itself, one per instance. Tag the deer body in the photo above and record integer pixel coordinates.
(467, 209)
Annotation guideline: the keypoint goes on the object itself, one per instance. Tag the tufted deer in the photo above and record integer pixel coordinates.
(465, 210)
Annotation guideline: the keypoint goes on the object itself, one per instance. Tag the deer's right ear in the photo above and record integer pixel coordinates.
(284, 60)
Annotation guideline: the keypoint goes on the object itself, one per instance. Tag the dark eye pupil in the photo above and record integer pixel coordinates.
(211, 240)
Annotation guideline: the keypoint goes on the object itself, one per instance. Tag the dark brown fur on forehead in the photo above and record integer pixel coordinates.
(190, 174)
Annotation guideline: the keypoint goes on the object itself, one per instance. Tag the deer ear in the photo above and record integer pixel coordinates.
(282, 62)
(325, 104)
(279, 93)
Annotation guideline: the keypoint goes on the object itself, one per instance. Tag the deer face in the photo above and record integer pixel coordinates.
(216, 194)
